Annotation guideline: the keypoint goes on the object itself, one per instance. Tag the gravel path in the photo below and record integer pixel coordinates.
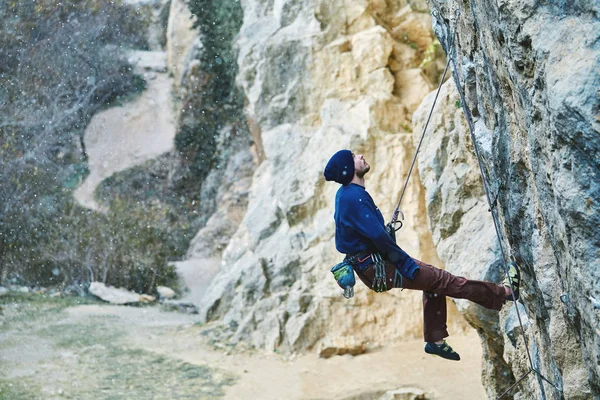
(125, 136)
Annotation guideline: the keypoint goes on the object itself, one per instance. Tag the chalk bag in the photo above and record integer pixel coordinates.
(344, 276)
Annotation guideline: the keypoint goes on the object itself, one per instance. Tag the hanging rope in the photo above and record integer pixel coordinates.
(492, 204)
(493, 210)
(397, 211)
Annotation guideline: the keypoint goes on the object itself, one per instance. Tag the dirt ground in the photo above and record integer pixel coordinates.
(70, 348)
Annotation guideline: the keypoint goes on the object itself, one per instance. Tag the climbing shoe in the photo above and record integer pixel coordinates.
(513, 280)
(443, 350)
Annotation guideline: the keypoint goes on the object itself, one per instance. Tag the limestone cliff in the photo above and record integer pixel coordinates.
(531, 83)
(319, 77)
(180, 39)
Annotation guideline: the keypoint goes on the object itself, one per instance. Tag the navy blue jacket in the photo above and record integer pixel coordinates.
(359, 227)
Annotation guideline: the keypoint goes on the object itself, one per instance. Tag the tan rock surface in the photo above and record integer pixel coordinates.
(318, 79)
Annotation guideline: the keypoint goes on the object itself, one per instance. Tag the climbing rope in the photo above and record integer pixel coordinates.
(493, 210)
(397, 211)
(498, 235)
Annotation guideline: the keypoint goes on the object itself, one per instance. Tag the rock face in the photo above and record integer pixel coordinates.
(319, 77)
(531, 83)
(458, 215)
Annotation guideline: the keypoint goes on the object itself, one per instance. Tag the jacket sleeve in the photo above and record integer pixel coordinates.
(363, 220)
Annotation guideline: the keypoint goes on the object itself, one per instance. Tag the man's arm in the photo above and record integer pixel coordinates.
(363, 220)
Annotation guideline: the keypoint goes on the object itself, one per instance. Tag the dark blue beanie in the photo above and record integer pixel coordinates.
(340, 167)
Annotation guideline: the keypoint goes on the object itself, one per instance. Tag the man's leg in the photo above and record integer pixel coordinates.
(434, 317)
(436, 284)
(440, 282)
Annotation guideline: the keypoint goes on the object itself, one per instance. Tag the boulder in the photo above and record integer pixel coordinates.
(165, 292)
(405, 394)
(114, 295)
(146, 298)
(340, 346)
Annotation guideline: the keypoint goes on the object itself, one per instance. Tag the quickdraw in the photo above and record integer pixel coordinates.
(379, 282)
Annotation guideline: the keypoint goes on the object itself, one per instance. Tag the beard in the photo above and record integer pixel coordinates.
(361, 173)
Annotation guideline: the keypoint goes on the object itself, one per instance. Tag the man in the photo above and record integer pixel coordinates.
(378, 261)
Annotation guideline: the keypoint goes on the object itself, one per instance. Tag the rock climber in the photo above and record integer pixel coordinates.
(360, 234)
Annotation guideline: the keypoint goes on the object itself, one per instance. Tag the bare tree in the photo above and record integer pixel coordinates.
(59, 63)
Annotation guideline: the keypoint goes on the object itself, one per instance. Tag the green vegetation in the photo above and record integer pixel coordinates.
(13, 391)
(163, 208)
(59, 64)
(429, 55)
(118, 373)
(28, 309)
(218, 103)
(169, 192)
(57, 67)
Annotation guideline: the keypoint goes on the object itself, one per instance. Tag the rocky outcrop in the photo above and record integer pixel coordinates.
(458, 214)
(212, 137)
(319, 77)
(181, 37)
(340, 346)
(531, 82)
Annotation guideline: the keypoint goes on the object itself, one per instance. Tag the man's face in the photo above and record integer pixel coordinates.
(360, 165)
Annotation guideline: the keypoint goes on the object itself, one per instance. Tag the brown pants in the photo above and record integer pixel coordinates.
(436, 284)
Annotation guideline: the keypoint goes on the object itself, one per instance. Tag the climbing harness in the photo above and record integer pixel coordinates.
(344, 272)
